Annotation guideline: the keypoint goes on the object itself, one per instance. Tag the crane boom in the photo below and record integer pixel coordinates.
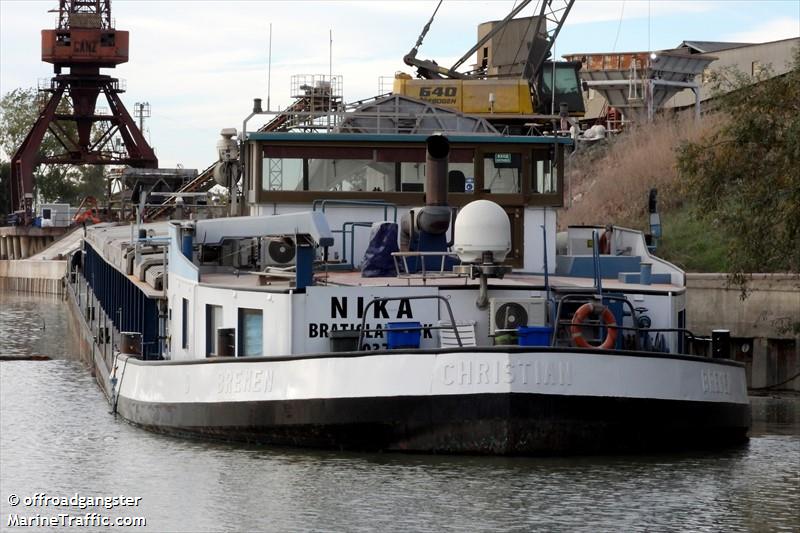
(425, 30)
(552, 12)
(425, 67)
(555, 12)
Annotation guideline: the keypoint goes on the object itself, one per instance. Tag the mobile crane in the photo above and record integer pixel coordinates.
(506, 88)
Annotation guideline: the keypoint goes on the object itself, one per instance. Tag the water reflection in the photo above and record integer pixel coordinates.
(57, 436)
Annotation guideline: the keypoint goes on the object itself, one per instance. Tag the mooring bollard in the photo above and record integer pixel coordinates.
(721, 344)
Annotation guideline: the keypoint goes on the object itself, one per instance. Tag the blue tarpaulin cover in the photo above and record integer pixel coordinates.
(378, 261)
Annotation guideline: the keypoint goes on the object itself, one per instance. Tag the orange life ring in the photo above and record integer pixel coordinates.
(608, 318)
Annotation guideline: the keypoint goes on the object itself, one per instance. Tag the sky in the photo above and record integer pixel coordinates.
(200, 63)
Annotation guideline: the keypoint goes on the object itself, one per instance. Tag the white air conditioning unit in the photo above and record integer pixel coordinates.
(278, 251)
(512, 313)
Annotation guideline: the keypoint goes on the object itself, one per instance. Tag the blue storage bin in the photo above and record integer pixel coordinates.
(399, 335)
(534, 335)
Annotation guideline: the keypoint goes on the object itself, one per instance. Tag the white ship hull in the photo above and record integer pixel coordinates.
(509, 401)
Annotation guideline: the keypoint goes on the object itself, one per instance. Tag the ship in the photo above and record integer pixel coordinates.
(400, 292)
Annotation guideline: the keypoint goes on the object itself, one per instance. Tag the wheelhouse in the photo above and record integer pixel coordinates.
(285, 172)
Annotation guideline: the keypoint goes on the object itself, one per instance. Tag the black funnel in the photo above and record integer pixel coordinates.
(436, 160)
(434, 217)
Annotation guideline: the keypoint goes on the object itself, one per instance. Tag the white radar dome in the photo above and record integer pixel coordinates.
(227, 148)
(482, 226)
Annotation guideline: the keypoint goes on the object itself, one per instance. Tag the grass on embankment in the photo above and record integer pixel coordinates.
(690, 244)
(609, 184)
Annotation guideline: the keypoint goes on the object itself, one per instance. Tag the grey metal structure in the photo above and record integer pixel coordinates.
(708, 47)
(548, 11)
(401, 114)
(639, 92)
(275, 174)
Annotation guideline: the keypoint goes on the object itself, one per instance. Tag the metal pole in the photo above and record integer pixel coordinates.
(649, 22)
(553, 86)
(696, 103)
(330, 75)
(269, 67)
(546, 267)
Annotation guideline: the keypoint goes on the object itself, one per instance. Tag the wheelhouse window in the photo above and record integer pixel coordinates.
(361, 169)
(185, 324)
(282, 174)
(460, 177)
(544, 174)
(350, 175)
(568, 88)
(251, 329)
(502, 172)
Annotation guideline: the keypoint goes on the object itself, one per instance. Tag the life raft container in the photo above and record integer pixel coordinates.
(606, 315)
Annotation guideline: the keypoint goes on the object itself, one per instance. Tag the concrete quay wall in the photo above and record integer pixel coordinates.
(764, 326)
(33, 276)
(21, 242)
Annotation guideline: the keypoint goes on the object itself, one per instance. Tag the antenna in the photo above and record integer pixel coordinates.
(141, 110)
(269, 66)
(553, 82)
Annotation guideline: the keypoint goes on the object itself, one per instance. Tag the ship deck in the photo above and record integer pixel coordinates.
(112, 241)
(245, 280)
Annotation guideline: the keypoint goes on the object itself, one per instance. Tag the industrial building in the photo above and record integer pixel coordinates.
(753, 59)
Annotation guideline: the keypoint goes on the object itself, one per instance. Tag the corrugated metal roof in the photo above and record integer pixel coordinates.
(704, 47)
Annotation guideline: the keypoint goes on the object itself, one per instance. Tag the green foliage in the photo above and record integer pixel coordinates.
(17, 113)
(691, 243)
(744, 178)
(66, 183)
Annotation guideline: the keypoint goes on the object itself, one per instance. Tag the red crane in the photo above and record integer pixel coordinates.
(83, 42)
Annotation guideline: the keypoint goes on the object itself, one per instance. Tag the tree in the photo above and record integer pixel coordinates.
(18, 111)
(744, 177)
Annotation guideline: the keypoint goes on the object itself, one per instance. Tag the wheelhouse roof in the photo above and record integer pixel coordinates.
(400, 138)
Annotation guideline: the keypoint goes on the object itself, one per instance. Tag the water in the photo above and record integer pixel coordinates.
(57, 437)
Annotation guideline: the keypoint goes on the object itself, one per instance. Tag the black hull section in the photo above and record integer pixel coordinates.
(497, 424)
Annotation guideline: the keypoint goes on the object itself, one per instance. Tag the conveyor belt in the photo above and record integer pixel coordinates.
(205, 180)
(202, 183)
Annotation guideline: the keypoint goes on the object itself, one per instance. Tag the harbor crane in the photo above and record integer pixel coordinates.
(84, 41)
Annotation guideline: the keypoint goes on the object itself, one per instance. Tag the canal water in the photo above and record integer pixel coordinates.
(58, 438)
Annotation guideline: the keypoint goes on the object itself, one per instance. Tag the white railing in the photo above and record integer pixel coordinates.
(401, 264)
